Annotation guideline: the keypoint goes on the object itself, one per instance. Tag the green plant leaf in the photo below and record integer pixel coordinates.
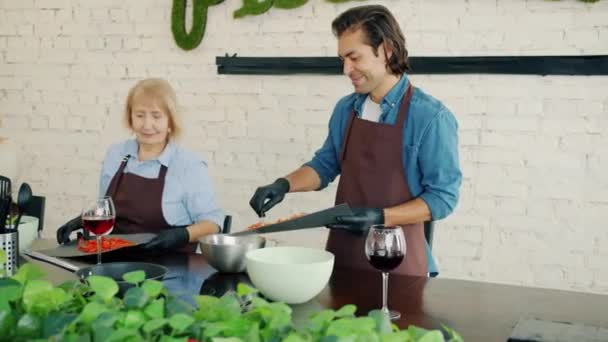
(156, 309)
(175, 306)
(40, 297)
(54, 324)
(432, 336)
(135, 298)
(104, 287)
(8, 324)
(346, 311)
(452, 334)
(152, 288)
(154, 324)
(2, 256)
(28, 326)
(124, 335)
(28, 272)
(400, 336)
(103, 325)
(243, 290)
(91, 311)
(180, 322)
(134, 319)
(345, 327)
(10, 290)
(134, 277)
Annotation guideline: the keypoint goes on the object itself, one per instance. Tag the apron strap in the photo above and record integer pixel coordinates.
(121, 170)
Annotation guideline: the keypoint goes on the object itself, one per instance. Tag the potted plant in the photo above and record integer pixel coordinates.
(33, 309)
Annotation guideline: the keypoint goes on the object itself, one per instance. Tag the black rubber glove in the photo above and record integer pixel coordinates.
(268, 196)
(360, 221)
(63, 233)
(172, 238)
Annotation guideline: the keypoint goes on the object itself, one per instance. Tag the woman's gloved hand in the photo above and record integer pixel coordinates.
(171, 238)
(360, 221)
(63, 233)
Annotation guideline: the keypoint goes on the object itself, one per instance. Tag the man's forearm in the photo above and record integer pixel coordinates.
(303, 179)
(412, 211)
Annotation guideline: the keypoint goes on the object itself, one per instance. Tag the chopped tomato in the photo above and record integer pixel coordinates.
(107, 244)
(283, 219)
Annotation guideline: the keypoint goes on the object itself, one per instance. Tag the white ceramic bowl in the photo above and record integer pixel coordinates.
(28, 231)
(292, 275)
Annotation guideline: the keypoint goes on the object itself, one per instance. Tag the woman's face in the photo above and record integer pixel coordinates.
(149, 122)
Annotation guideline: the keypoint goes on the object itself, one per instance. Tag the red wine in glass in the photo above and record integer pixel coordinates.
(385, 263)
(385, 250)
(98, 218)
(98, 225)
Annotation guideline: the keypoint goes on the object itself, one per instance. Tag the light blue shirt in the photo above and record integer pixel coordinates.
(430, 147)
(188, 195)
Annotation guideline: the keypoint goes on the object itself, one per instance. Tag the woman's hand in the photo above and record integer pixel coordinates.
(172, 238)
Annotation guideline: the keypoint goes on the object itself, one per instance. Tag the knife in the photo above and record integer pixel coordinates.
(314, 220)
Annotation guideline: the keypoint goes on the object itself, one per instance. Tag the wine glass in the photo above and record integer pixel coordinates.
(385, 250)
(98, 218)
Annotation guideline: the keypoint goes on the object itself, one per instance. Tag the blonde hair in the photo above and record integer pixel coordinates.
(160, 91)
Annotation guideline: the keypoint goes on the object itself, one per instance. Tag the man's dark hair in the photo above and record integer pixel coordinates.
(379, 26)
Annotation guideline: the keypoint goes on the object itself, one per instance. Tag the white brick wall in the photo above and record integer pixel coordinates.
(533, 149)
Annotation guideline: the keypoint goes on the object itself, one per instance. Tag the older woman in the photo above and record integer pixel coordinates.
(156, 185)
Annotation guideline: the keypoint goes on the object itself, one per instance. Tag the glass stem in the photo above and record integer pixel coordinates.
(98, 249)
(384, 292)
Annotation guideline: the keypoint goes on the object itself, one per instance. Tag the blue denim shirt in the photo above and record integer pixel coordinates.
(188, 195)
(430, 147)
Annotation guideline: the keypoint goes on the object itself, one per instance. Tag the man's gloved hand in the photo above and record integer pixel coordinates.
(63, 233)
(172, 238)
(360, 221)
(268, 196)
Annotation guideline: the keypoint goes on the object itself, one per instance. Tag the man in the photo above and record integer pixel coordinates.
(395, 147)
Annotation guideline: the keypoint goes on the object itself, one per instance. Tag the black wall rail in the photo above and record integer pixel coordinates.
(517, 65)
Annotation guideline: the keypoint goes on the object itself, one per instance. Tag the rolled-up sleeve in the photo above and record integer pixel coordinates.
(439, 164)
(200, 198)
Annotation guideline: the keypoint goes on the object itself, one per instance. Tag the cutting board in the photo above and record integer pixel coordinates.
(70, 250)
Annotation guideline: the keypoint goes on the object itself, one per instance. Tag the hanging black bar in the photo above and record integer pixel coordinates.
(518, 65)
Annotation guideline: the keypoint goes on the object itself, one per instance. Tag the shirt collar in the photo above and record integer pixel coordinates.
(132, 148)
(391, 98)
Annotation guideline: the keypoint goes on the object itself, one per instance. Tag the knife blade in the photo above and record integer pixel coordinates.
(317, 219)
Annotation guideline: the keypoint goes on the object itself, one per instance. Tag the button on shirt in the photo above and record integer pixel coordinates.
(188, 195)
(430, 147)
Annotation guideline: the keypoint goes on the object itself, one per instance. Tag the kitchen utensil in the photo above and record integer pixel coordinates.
(51, 260)
(314, 220)
(9, 241)
(292, 275)
(5, 200)
(226, 253)
(114, 270)
(70, 249)
(23, 199)
(5, 187)
(5, 204)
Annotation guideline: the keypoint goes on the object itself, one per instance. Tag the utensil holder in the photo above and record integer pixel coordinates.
(9, 241)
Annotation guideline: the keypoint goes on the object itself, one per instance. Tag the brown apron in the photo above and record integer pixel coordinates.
(138, 201)
(373, 176)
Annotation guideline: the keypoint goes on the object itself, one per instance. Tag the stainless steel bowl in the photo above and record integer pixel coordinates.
(226, 253)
